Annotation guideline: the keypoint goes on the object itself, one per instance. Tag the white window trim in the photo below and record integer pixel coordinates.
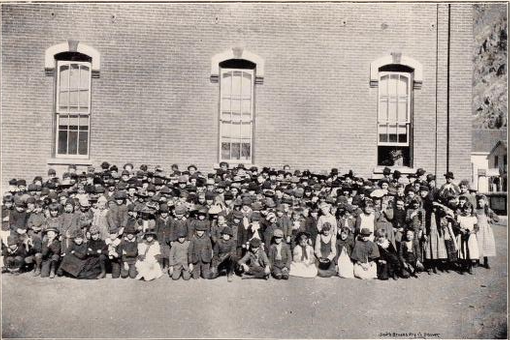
(408, 121)
(252, 120)
(59, 112)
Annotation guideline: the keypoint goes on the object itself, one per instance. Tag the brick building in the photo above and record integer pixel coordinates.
(312, 85)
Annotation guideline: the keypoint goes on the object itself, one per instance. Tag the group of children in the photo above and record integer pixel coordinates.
(143, 224)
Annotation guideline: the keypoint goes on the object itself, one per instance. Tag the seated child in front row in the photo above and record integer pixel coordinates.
(224, 257)
(50, 253)
(388, 264)
(254, 263)
(148, 264)
(364, 255)
(409, 254)
(303, 260)
(128, 253)
(14, 255)
(279, 257)
(178, 256)
(344, 247)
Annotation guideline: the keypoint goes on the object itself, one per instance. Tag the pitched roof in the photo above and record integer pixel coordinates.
(484, 140)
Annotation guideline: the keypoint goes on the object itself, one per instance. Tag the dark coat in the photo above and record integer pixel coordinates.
(18, 220)
(409, 255)
(178, 224)
(117, 216)
(51, 249)
(128, 251)
(285, 253)
(20, 251)
(164, 230)
(97, 247)
(200, 249)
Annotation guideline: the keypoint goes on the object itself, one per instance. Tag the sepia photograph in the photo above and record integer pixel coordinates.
(254, 170)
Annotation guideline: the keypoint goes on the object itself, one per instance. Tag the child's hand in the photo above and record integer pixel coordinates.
(72, 251)
(245, 267)
(191, 267)
(267, 270)
(288, 239)
(171, 270)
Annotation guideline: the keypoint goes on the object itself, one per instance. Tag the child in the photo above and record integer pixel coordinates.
(366, 219)
(200, 251)
(112, 243)
(303, 260)
(344, 247)
(179, 222)
(201, 223)
(279, 257)
(409, 254)
(50, 253)
(388, 264)
(254, 263)
(485, 236)
(14, 256)
(117, 215)
(224, 257)
(178, 256)
(76, 261)
(467, 241)
(325, 251)
(164, 231)
(149, 252)
(364, 255)
(434, 241)
(97, 249)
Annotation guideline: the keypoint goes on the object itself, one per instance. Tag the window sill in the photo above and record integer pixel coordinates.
(69, 161)
(404, 170)
(233, 164)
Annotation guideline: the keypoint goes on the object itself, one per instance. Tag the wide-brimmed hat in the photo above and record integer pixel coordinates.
(365, 232)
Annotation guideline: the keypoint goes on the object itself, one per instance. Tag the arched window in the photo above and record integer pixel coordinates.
(396, 80)
(73, 71)
(237, 78)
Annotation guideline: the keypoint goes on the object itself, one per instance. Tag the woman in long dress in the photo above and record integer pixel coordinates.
(434, 245)
(485, 235)
(149, 252)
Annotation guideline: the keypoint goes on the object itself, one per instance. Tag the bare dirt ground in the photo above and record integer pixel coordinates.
(445, 306)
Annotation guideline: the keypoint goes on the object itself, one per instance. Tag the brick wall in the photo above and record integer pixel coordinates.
(154, 102)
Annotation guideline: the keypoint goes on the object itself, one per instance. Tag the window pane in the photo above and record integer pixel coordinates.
(383, 133)
(64, 100)
(236, 151)
(402, 133)
(247, 106)
(246, 92)
(235, 131)
(392, 85)
(73, 99)
(225, 129)
(73, 123)
(82, 150)
(383, 110)
(236, 106)
(246, 130)
(226, 82)
(402, 86)
(383, 86)
(225, 104)
(392, 135)
(392, 110)
(84, 122)
(236, 117)
(85, 77)
(236, 84)
(62, 141)
(63, 121)
(84, 99)
(74, 80)
(225, 150)
(225, 116)
(245, 153)
(73, 142)
(402, 111)
(64, 75)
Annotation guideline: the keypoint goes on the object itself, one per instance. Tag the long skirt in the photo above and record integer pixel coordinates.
(435, 247)
(302, 269)
(468, 247)
(370, 273)
(345, 266)
(485, 237)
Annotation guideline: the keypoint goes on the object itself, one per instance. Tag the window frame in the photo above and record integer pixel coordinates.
(409, 118)
(59, 113)
(252, 72)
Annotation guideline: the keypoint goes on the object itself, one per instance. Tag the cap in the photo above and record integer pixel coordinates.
(278, 233)
(365, 232)
(228, 231)
(255, 242)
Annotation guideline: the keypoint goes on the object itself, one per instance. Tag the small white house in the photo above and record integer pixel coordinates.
(489, 160)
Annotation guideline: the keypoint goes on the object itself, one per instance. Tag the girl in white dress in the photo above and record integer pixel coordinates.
(303, 258)
(467, 241)
(486, 242)
(149, 252)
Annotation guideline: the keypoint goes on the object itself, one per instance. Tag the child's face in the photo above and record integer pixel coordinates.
(277, 240)
(149, 238)
(181, 239)
(368, 209)
(254, 249)
(364, 238)
(325, 232)
(481, 202)
(30, 206)
(164, 214)
(78, 240)
(343, 235)
(95, 236)
(221, 219)
(201, 217)
(409, 235)
(303, 241)
(226, 237)
(113, 236)
(13, 246)
(19, 208)
(51, 234)
(53, 213)
(200, 233)
(129, 236)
